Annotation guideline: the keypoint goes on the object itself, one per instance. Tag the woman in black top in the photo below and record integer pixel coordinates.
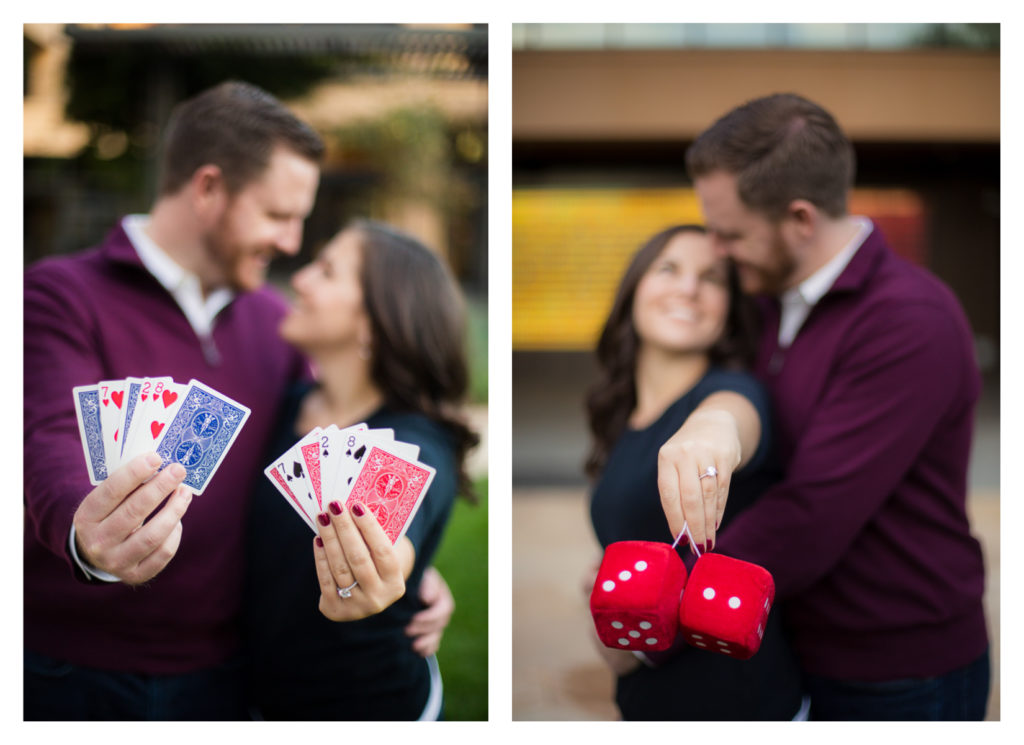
(381, 320)
(678, 336)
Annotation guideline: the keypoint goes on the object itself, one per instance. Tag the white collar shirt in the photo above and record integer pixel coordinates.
(797, 302)
(184, 286)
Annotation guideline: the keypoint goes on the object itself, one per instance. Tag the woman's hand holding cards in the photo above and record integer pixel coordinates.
(354, 555)
(111, 529)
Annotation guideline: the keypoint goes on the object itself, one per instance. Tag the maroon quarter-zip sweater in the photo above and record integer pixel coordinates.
(100, 315)
(867, 537)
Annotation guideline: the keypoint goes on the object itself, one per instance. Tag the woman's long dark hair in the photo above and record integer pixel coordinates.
(612, 398)
(417, 319)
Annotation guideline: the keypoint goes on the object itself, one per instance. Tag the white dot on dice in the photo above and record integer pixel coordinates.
(616, 624)
(608, 586)
(734, 602)
(624, 575)
(709, 593)
(624, 641)
(651, 640)
(645, 625)
(635, 634)
(640, 566)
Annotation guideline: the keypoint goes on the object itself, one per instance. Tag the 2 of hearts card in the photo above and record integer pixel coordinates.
(190, 424)
(355, 464)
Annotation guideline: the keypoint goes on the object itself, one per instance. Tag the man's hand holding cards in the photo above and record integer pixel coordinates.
(358, 489)
(146, 440)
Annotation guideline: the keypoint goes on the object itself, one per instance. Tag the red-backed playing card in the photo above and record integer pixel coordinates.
(392, 488)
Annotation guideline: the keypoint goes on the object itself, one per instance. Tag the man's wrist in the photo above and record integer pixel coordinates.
(89, 571)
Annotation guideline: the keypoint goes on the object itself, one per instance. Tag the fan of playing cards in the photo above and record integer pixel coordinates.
(355, 464)
(191, 424)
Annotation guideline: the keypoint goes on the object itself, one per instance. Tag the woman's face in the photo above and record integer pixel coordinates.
(328, 311)
(682, 300)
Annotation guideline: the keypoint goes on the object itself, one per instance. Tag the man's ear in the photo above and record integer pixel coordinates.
(209, 192)
(801, 220)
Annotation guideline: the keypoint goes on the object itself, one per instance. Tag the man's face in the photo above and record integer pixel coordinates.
(264, 217)
(755, 243)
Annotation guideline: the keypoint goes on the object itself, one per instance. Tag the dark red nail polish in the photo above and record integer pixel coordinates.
(335, 507)
(319, 542)
(711, 544)
(357, 509)
(324, 519)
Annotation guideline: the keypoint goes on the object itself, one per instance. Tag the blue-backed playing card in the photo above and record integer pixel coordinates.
(200, 434)
(87, 409)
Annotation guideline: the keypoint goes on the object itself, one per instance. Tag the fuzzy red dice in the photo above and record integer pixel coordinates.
(725, 606)
(635, 600)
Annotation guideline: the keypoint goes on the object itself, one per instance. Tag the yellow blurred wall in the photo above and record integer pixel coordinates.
(570, 247)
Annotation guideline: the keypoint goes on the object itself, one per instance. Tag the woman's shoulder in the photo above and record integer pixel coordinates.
(435, 440)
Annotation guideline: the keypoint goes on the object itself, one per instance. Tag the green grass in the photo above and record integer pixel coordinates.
(476, 349)
(462, 561)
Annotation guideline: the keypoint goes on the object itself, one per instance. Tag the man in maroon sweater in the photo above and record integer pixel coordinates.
(871, 366)
(123, 621)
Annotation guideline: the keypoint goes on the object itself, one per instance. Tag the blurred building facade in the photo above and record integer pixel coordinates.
(602, 116)
(403, 110)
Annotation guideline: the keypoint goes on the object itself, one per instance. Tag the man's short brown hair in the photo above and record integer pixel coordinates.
(235, 126)
(780, 148)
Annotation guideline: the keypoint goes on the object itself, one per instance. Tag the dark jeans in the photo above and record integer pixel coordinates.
(56, 690)
(961, 695)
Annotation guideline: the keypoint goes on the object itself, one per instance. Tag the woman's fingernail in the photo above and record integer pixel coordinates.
(711, 544)
(357, 509)
(335, 507)
(323, 519)
(319, 542)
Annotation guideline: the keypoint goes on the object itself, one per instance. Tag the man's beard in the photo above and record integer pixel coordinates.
(224, 257)
(772, 276)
